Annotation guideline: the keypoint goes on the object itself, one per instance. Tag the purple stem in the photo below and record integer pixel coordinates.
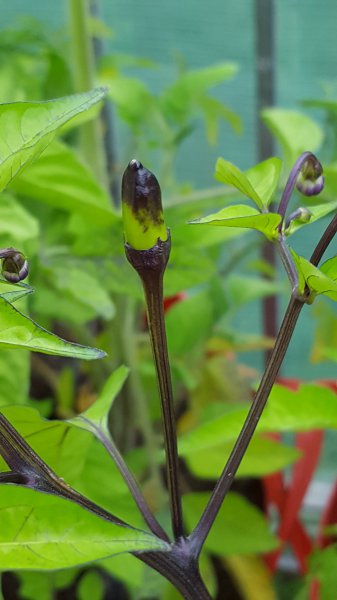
(290, 185)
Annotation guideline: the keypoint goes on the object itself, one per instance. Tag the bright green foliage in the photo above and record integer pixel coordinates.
(285, 411)
(17, 225)
(44, 532)
(239, 528)
(19, 331)
(14, 291)
(28, 127)
(264, 178)
(241, 215)
(60, 179)
(263, 456)
(319, 281)
(283, 123)
(228, 173)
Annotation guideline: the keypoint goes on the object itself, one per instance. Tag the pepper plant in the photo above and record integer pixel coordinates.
(82, 531)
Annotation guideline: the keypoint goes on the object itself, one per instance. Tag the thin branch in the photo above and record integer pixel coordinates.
(155, 310)
(150, 265)
(224, 483)
(324, 242)
(130, 481)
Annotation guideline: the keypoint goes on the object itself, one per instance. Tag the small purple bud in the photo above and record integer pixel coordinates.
(301, 215)
(310, 181)
(14, 267)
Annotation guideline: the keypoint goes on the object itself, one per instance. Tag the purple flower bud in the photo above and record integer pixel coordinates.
(301, 215)
(14, 266)
(310, 181)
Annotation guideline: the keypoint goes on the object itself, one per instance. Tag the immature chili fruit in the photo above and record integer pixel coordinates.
(142, 208)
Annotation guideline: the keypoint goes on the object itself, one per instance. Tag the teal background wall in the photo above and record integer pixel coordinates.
(207, 32)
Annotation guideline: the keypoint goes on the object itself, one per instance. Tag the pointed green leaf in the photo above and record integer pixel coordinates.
(264, 178)
(241, 215)
(295, 132)
(97, 414)
(228, 173)
(329, 268)
(188, 92)
(17, 225)
(19, 331)
(28, 127)
(14, 291)
(240, 528)
(320, 281)
(45, 532)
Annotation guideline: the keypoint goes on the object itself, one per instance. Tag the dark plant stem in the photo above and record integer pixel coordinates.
(225, 481)
(153, 288)
(324, 242)
(130, 481)
(150, 266)
(288, 264)
(180, 568)
(290, 186)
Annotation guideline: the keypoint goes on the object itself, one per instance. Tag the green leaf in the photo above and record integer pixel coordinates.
(97, 413)
(320, 281)
(264, 178)
(17, 225)
(28, 127)
(214, 111)
(188, 92)
(241, 215)
(311, 407)
(239, 527)
(14, 291)
(242, 289)
(189, 323)
(329, 268)
(59, 178)
(45, 532)
(14, 376)
(132, 98)
(228, 173)
(71, 280)
(263, 456)
(19, 331)
(76, 456)
(295, 132)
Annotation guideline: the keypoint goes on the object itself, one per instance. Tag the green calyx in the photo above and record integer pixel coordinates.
(142, 208)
